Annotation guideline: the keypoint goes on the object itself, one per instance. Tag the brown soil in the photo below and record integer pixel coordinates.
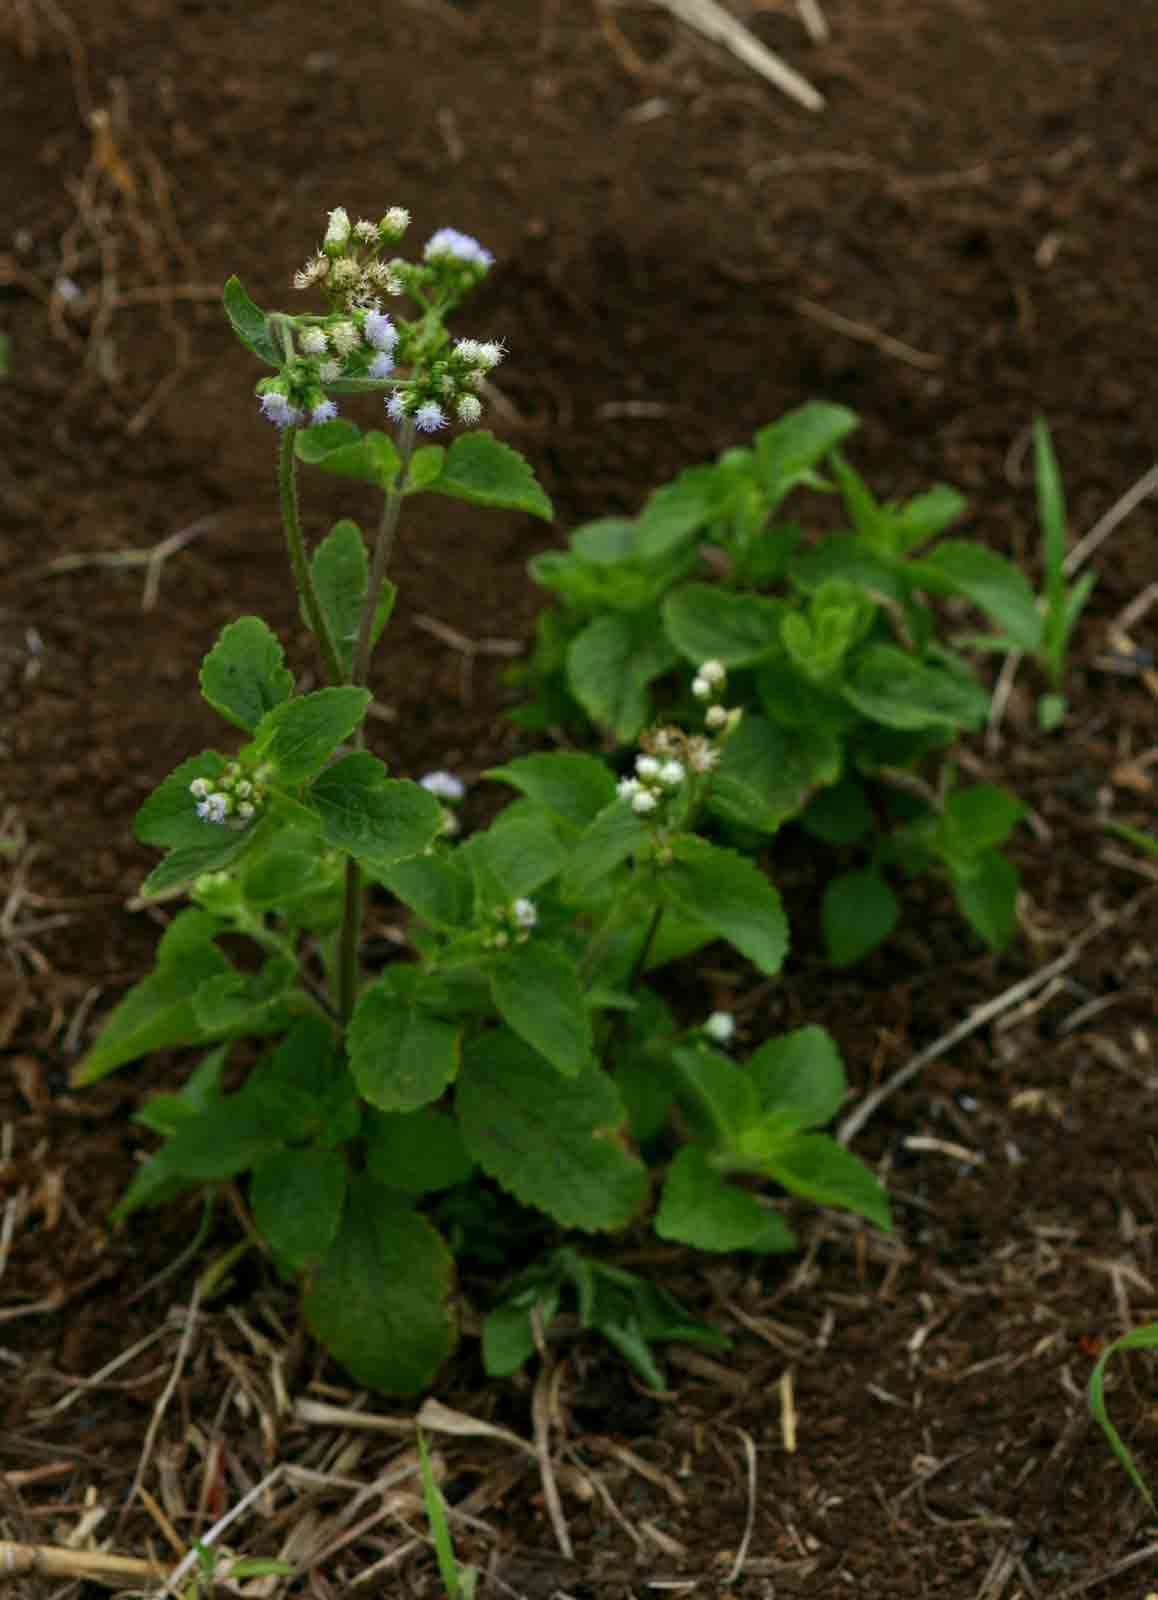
(979, 202)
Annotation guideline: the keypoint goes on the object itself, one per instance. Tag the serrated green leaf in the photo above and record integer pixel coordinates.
(339, 570)
(699, 1208)
(721, 1097)
(846, 558)
(574, 788)
(799, 1077)
(221, 849)
(401, 1058)
(858, 912)
(675, 513)
(168, 817)
(297, 1198)
(339, 447)
(377, 819)
(554, 1143)
(300, 736)
(417, 1152)
(986, 895)
(425, 467)
(767, 774)
(249, 323)
(610, 665)
(433, 885)
(889, 686)
(245, 675)
(515, 856)
(479, 468)
(787, 450)
(728, 894)
(813, 1165)
(536, 991)
(994, 585)
(380, 1300)
(615, 834)
(705, 622)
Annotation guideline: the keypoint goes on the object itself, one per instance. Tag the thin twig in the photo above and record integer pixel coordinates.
(1105, 525)
(710, 19)
(884, 342)
(977, 1018)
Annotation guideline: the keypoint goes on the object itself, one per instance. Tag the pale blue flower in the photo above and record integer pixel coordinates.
(326, 411)
(381, 366)
(458, 246)
(277, 409)
(396, 407)
(430, 417)
(380, 331)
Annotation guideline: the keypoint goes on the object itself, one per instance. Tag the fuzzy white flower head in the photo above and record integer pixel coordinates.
(381, 366)
(200, 788)
(313, 272)
(671, 774)
(396, 221)
(380, 331)
(713, 672)
(337, 230)
(277, 409)
(324, 411)
(524, 913)
(643, 802)
(380, 275)
(214, 808)
(716, 717)
(449, 243)
(396, 406)
(647, 766)
(430, 417)
(469, 409)
(344, 274)
(702, 756)
(312, 341)
(491, 353)
(330, 371)
(701, 688)
(468, 349)
(720, 1026)
(443, 785)
(366, 232)
(344, 337)
(628, 788)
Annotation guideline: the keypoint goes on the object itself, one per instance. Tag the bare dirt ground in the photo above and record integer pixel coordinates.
(965, 234)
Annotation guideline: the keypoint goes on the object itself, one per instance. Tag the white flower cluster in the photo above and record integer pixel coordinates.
(708, 684)
(444, 786)
(514, 922)
(234, 800)
(654, 779)
(449, 382)
(348, 265)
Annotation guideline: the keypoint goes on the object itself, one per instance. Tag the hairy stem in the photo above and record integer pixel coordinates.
(351, 931)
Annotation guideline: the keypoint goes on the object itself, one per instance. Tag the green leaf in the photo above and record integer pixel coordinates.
(792, 701)
(227, 1138)
(995, 586)
(767, 773)
(378, 820)
(979, 817)
(222, 847)
(486, 472)
(610, 665)
(789, 449)
(380, 1300)
(401, 1058)
(245, 675)
(858, 912)
(705, 622)
(514, 857)
(297, 1198)
(340, 448)
(722, 1099)
(838, 815)
(889, 686)
(1051, 513)
(281, 874)
(168, 817)
(300, 736)
(813, 1165)
(417, 1152)
(537, 993)
(847, 558)
(340, 571)
(1137, 1339)
(574, 788)
(925, 516)
(240, 1002)
(986, 895)
(305, 1088)
(699, 1208)
(249, 323)
(675, 513)
(425, 467)
(433, 885)
(731, 896)
(158, 1012)
(554, 1143)
(799, 1077)
(615, 834)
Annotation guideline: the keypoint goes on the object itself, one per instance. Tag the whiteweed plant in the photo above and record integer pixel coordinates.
(513, 1063)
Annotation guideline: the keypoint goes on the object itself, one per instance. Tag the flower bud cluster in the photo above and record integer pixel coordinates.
(720, 1027)
(708, 684)
(234, 799)
(450, 790)
(656, 776)
(348, 267)
(446, 384)
(513, 924)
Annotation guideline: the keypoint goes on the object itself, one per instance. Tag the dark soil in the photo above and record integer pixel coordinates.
(979, 203)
